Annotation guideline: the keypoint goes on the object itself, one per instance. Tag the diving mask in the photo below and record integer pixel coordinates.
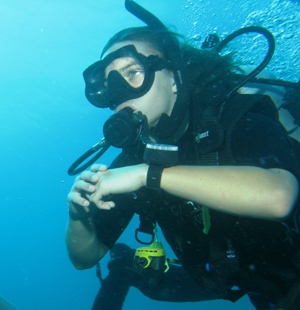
(122, 75)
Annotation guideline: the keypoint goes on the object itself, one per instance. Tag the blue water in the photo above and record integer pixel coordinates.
(46, 123)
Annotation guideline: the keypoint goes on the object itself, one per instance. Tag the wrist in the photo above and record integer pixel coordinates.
(143, 169)
(77, 214)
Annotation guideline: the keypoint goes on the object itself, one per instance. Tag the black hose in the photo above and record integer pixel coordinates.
(101, 147)
(271, 42)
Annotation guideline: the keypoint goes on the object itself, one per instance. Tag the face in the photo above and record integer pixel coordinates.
(161, 96)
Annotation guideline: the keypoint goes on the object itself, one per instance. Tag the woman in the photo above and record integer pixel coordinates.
(246, 197)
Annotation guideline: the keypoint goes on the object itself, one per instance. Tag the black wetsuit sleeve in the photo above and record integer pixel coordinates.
(113, 291)
(110, 224)
(175, 285)
(259, 141)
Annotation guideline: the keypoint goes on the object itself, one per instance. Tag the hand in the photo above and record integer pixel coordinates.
(118, 181)
(84, 186)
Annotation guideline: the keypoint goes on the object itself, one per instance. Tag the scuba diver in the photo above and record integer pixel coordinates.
(209, 165)
(175, 285)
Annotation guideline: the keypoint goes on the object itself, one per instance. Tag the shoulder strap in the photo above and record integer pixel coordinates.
(213, 129)
(236, 109)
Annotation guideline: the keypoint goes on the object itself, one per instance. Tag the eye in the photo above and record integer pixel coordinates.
(131, 71)
(134, 75)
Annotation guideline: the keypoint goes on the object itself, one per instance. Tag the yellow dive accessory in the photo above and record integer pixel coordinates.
(153, 257)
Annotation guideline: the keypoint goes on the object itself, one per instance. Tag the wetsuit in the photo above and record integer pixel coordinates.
(256, 140)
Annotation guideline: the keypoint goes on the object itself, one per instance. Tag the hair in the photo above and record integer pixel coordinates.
(204, 66)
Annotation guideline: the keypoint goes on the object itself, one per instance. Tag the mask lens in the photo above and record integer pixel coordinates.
(131, 70)
(95, 89)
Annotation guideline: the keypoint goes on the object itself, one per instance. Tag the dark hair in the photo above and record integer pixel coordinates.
(204, 66)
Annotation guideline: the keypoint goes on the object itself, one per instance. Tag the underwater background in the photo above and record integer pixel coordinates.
(46, 123)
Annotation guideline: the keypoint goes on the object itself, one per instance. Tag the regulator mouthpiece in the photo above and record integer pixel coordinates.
(124, 128)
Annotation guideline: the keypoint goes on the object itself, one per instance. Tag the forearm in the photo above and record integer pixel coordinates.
(241, 190)
(83, 246)
(246, 191)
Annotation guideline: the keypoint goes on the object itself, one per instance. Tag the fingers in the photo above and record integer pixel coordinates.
(76, 200)
(84, 190)
(98, 167)
(104, 205)
(79, 194)
(88, 176)
(83, 187)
